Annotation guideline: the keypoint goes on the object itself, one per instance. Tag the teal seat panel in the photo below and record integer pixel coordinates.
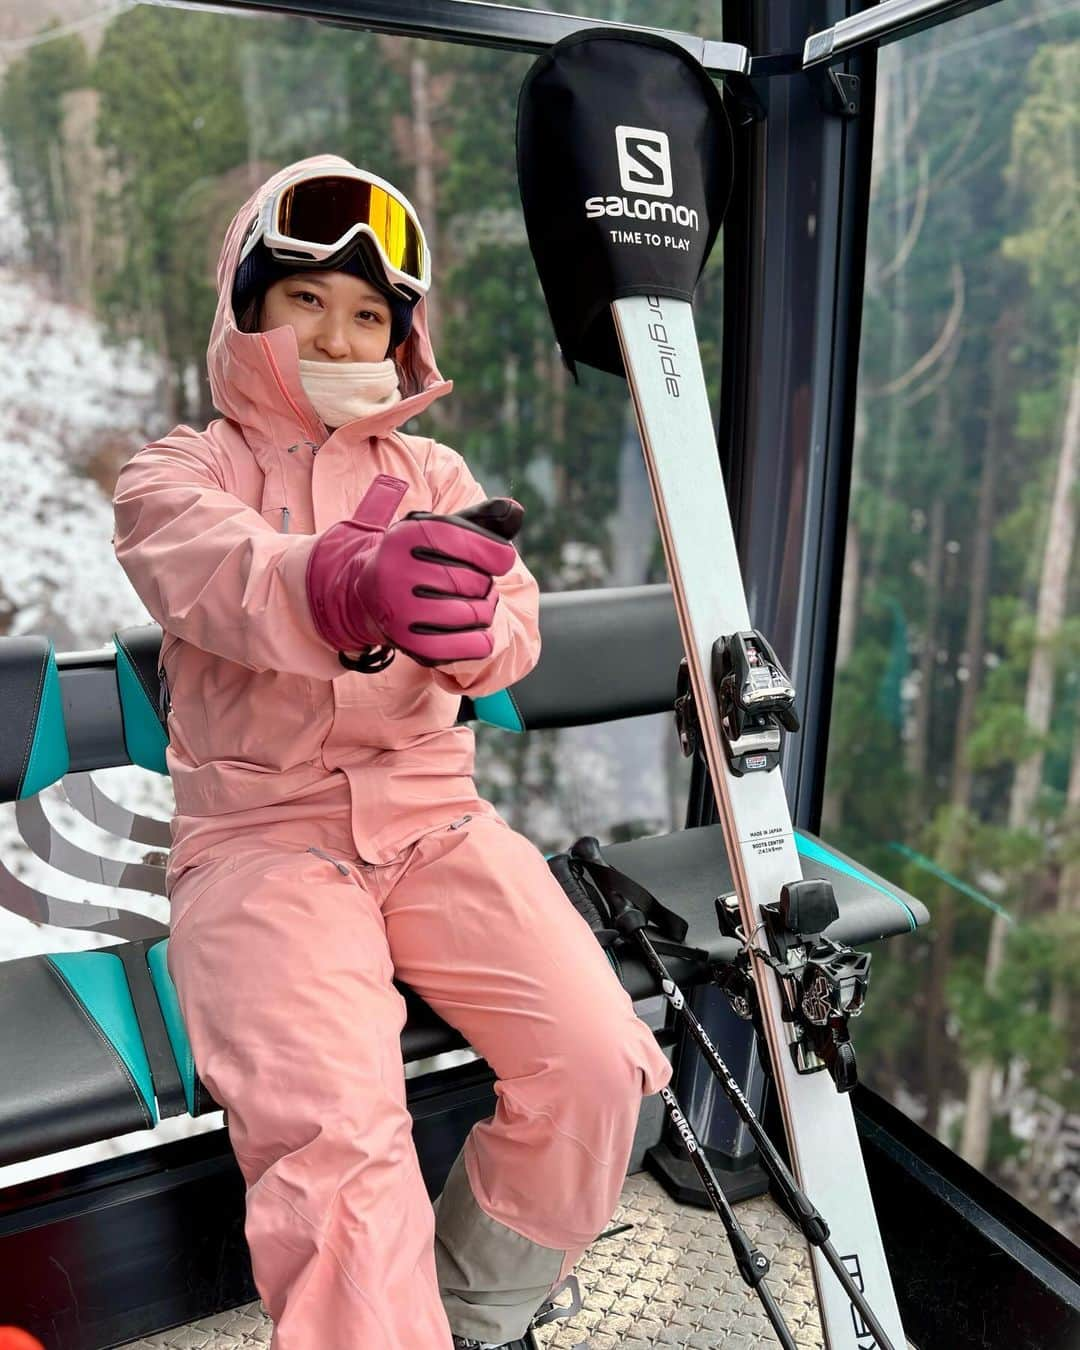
(156, 959)
(848, 876)
(499, 710)
(100, 986)
(144, 735)
(200, 1100)
(49, 758)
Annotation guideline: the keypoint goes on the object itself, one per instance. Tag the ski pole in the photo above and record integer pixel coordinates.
(752, 1263)
(630, 921)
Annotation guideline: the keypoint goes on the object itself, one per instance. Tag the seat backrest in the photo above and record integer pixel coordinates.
(606, 654)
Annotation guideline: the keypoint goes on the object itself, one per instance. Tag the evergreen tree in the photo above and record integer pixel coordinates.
(171, 121)
(32, 119)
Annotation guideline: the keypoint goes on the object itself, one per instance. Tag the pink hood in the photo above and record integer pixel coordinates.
(215, 530)
(255, 377)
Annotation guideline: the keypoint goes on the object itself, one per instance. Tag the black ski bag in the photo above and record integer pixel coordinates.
(625, 166)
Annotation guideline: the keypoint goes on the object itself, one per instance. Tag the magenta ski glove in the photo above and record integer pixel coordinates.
(425, 584)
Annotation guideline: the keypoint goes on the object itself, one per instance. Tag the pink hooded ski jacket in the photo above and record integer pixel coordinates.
(214, 529)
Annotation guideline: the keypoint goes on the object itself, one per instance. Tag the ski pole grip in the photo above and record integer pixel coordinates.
(587, 848)
(625, 915)
(500, 515)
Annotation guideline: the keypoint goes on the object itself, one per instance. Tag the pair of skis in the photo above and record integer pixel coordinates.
(626, 164)
(726, 661)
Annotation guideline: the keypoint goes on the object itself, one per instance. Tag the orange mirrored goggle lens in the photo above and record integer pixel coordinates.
(324, 210)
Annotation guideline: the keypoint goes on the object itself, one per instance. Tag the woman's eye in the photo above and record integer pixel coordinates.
(370, 314)
(305, 295)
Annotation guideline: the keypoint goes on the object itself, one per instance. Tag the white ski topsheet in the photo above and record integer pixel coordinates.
(663, 364)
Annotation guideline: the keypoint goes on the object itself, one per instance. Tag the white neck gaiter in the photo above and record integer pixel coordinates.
(341, 391)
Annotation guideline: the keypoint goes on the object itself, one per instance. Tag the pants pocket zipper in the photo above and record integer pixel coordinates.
(339, 865)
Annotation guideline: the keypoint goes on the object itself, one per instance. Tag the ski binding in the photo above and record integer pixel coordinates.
(756, 701)
(822, 983)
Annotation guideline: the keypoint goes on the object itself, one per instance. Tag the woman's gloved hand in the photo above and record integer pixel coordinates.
(425, 584)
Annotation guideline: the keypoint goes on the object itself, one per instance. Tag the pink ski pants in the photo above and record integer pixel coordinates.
(283, 960)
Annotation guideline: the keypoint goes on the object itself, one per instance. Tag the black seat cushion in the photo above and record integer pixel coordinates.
(686, 870)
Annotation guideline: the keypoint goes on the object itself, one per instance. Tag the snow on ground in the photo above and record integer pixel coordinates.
(67, 396)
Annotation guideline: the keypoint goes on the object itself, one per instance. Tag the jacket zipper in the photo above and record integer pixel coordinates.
(281, 384)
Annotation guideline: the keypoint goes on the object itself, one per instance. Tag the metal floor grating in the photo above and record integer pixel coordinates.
(669, 1281)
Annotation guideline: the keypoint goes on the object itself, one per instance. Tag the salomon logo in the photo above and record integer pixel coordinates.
(644, 161)
(645, 170)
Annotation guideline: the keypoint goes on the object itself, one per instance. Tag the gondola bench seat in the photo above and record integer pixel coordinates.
(92, 1043)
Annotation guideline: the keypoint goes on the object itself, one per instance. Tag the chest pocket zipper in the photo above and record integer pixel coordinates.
(286, 514)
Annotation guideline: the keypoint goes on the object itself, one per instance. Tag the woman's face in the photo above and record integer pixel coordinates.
(336, 316)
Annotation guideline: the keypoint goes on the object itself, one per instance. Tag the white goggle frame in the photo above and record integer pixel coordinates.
(286, 248)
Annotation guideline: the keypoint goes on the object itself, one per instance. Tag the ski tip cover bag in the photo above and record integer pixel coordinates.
(625, 168)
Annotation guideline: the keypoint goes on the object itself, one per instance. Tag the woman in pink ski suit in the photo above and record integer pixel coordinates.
(329, 836)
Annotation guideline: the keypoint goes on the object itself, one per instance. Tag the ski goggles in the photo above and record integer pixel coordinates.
(314, 218)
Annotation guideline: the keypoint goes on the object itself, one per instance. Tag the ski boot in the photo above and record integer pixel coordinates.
(549, 1311)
